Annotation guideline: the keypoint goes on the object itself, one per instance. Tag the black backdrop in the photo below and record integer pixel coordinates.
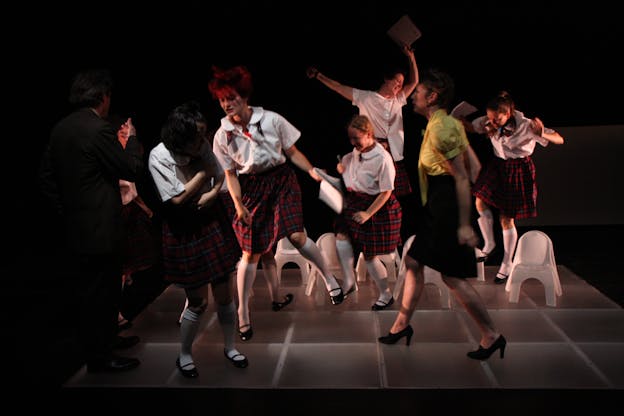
(560, 62)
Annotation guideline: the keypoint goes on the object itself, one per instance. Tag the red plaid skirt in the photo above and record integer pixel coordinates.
(274, 200)
(510, 186)
(200, 249)
(380, 234)
(402, 184)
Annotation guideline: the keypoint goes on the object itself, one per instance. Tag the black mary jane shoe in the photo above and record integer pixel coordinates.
(380, 305)
(245, 335)
(500, 278)
(485, 255)
(237, 363)
(278, 306)
(187, 372)
(338, 297)
(348, 292)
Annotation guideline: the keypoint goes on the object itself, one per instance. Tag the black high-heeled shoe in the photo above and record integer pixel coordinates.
(485, 353)
(391, 338)
(338, 297)
(500, 278)
(276, 306)
(245, 335)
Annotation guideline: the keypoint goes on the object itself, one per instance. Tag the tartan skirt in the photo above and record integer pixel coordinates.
(381, 234)
(274, 200)
(510, 186)
(436, 242)
(402, 184)
(202, 249)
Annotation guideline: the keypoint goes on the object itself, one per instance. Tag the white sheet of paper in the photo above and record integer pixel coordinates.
(334, 181)
(463, 109)
(331, 196)
(404, 31)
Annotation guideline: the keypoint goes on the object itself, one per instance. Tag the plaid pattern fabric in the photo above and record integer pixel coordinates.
(510, 186)
(141, 243)
(274, 200)
(436, 242)
(202, 250)
(402, 184)
(380, 234)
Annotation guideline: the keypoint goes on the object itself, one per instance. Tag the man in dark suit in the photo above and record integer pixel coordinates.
(80, 174)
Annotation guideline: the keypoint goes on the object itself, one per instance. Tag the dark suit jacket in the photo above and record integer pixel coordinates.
(80, 173)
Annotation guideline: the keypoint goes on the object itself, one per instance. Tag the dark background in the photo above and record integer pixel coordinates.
(559, 62)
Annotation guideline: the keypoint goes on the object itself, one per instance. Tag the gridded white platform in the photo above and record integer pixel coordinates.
(311, 344)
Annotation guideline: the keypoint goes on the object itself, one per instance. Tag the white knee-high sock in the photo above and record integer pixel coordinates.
(269, 269)
(510, 238)
(486, 225)
(312, 253)
(345, 254)
(245, 277)
(380, 275)
(227, 320)
(188, 331)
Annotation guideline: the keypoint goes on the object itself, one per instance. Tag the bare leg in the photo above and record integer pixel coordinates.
(269, 270)
(471, 301)
(245, 277)
(412, 290)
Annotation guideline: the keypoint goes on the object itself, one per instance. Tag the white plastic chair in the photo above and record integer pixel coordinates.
(431, 276)
(285, 252)
(327, 245)
(391, 261)
(534, 259)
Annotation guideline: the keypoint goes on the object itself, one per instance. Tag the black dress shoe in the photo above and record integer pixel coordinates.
(187, 372)
(485, 353)
(380, 305)
(391, 338)
(245, 335)
(236, 360)
(276, 306)
(337, 297)
(500, 278)
(351, 290)
(113, 364)
(123, 343)
(485, 255)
